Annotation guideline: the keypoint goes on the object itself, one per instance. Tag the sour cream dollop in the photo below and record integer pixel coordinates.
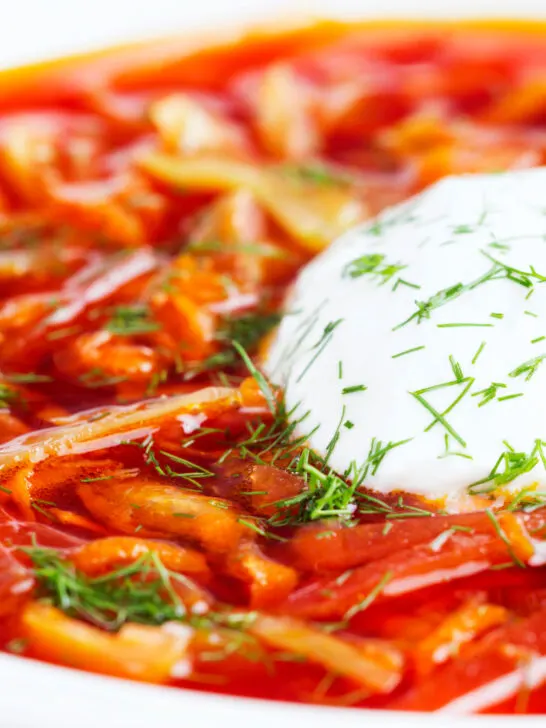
(414, 348)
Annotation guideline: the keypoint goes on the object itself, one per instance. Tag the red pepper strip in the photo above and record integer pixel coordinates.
(505, 664)
(330, 549)
(409, 570)
(15, 582)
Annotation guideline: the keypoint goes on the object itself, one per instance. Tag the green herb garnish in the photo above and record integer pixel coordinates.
(489, 393)
(354, 388)
(374, 265)
(322, 343)
(509, 466)
(528, 368)
(407, 351)
(131, 321)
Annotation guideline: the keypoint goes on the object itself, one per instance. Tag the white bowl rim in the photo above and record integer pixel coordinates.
(34, 694)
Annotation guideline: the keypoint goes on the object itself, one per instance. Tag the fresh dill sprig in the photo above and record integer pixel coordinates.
(193, 472)
(327, 495)
(466, 324)
(489, 393)
(503, 537)
(260, 379)
(9, 396)
(370, 598)
(510, 396)
(354, 388)
(142, 592)
(528, 367)
(499, 270)
(438, 417)
(528, 500)
(408, 351)
(27, 378)
(97, 377)
(374, 265)
(376, 454)
(509, 466)
(248, 329)
(133, 320)
(317, 173)
(478, 352)
(441, 416)
(321, 344)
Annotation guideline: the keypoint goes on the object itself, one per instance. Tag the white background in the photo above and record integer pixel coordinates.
(32, 29)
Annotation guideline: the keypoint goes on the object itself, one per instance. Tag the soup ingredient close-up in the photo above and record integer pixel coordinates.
(233, 458)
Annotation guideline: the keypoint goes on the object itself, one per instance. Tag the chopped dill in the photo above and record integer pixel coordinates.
(321, 344)
(407, 351)
(509, 466)
(502, 535)
(461, 325)
(354, 388)
(374, 265)
(260, 379)
(133, 320)
(9, 396)
(528, 367)
(28, 378)
(248, 329)
(370, 598)
(489, 393)
(478, 352)
(497, 271)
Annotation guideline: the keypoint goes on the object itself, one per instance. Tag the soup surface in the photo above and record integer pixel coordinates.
(162, 516)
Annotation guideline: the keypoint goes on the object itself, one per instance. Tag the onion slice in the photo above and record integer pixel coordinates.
(99, 428)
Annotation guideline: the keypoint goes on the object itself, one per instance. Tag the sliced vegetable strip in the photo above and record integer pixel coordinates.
(138, 652)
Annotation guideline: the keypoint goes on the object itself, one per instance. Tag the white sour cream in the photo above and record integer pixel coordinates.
(484, 342)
